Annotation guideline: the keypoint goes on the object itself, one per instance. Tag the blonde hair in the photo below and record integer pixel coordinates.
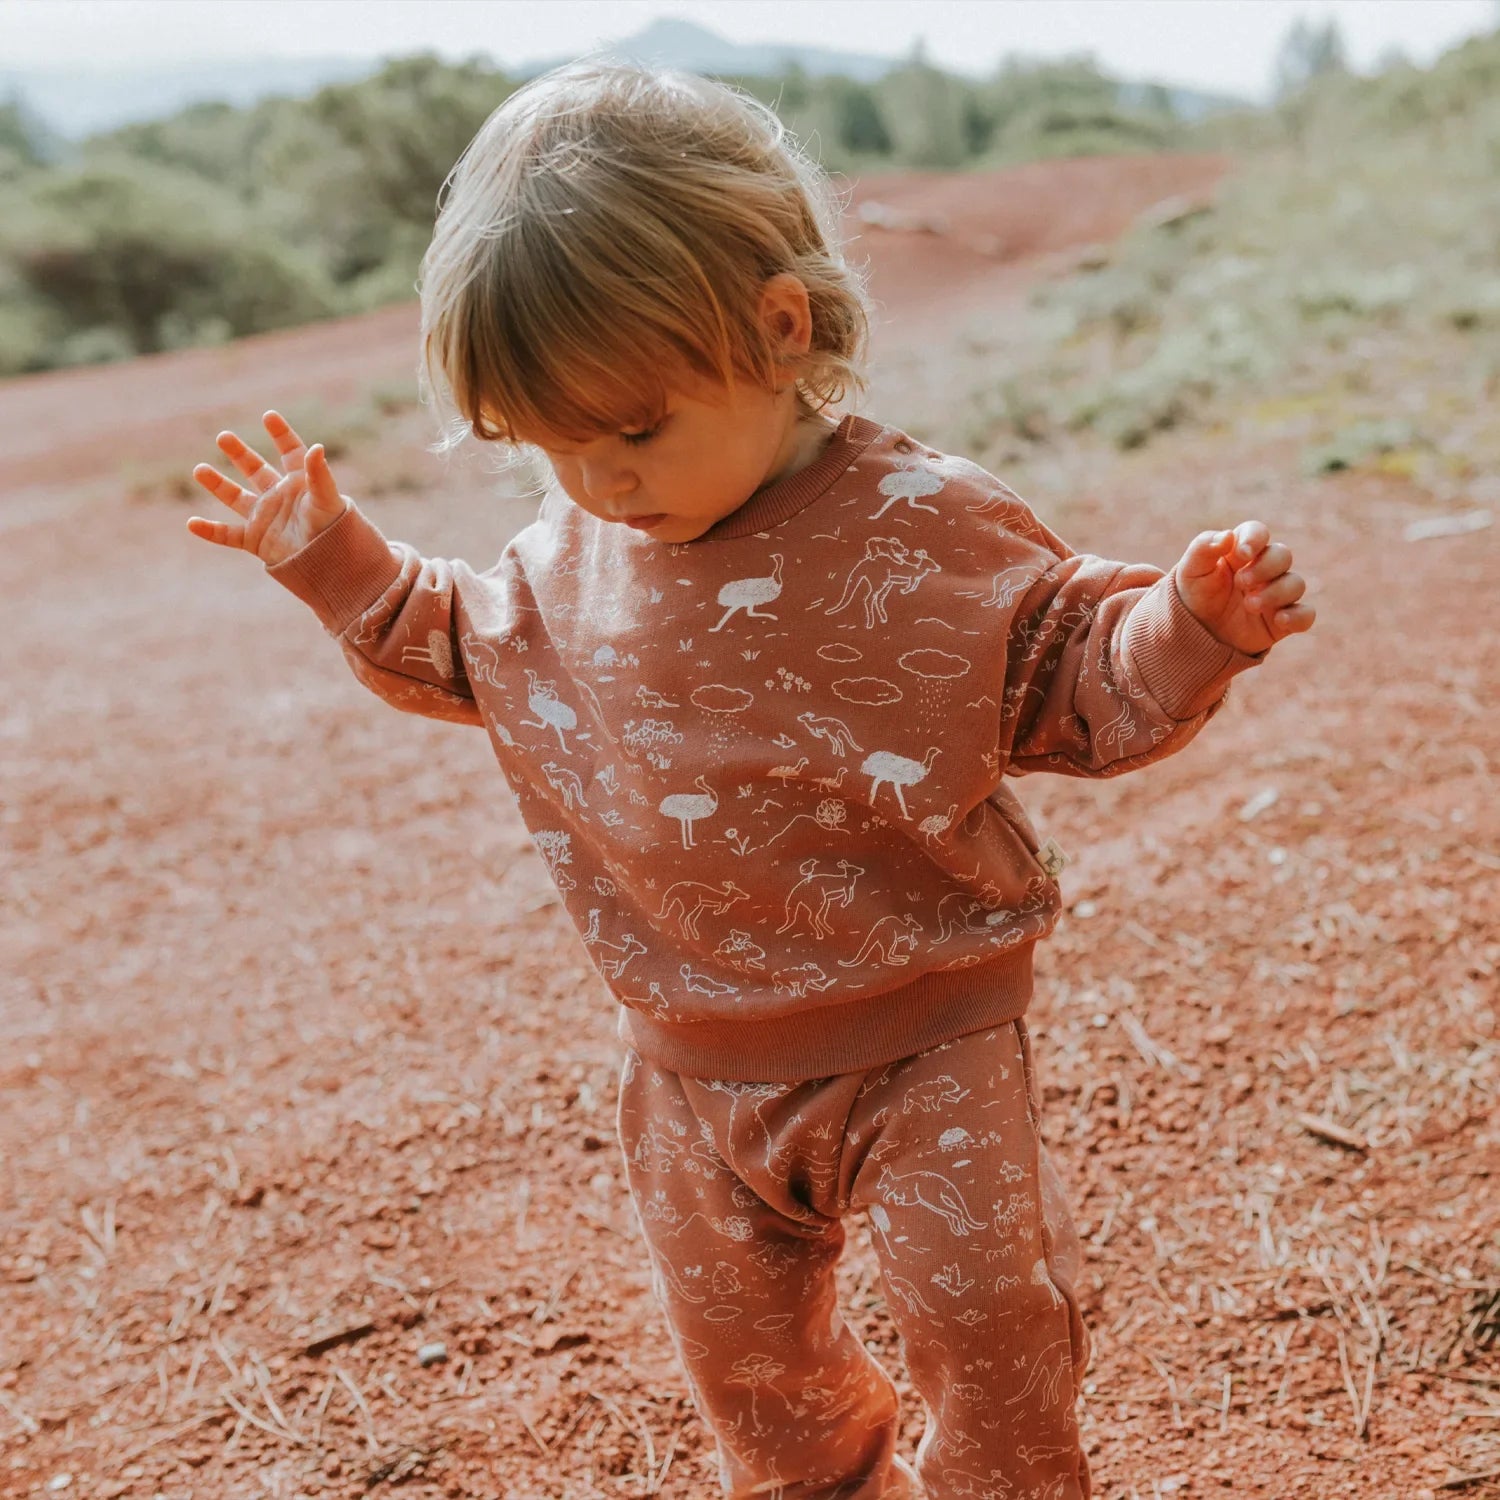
(611, 227)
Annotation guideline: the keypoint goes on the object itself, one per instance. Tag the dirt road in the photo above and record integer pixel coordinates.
(268, 1127)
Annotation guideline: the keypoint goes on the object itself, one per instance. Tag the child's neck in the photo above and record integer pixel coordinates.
(807, 435)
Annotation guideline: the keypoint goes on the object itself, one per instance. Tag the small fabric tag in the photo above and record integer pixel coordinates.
(1051, 858)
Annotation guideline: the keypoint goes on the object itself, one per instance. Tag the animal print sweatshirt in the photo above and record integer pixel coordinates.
(767, 768)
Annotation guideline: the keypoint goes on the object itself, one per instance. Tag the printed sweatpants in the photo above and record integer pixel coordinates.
(741, 1189)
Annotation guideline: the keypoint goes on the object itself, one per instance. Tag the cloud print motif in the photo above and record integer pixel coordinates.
(766, 768)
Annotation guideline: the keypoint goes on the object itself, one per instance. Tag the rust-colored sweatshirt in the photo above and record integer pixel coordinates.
(766, 767)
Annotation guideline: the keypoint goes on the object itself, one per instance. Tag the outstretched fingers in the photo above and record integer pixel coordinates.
(221, 487)
(291, 447)
(262, 476)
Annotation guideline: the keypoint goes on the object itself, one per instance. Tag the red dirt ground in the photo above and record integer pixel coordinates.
(267, 1129)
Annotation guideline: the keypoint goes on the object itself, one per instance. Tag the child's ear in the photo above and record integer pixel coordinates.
(786, 316)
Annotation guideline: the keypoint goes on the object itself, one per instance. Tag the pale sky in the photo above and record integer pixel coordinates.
(1215, 44)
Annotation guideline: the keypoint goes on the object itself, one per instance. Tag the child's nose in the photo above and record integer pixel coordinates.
(607, 481)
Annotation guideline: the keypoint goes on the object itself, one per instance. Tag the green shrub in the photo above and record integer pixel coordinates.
(149, 251)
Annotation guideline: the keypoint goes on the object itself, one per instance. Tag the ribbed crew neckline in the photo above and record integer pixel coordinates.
(775, 503)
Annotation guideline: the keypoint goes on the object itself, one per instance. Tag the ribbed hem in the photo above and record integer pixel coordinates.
(342, 571)
(848, 1038)
(781, 501)
(1184, 665)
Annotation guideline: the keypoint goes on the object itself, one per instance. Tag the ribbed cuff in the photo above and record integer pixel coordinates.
(1183, 664)
(342, 571)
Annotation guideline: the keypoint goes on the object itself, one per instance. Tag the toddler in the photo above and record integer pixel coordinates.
(756, 677)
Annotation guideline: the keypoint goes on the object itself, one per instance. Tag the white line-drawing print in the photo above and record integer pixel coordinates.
(899, 771)
(840, 651)
(954, 1446)
(555, 845)
(882, 1222)
(551, 712)
(909, 484)
(624, 951)
(756, 1371)
(885, 938)
(1005, 588)
(668, 1273)
(967, 1486)
(788, 773)
(561, 779)
(831, 783)
(1033, 1453)
(654, 1004)
(650, 698)
(607, 656)
(746, 593)
(816, 892)
(655, 1151)
(886, 559)
(702, 984)
(1041, 1277)
(481, 660)
(741, 951)
(935, 665)
(935, 825)
(909, 1294)
(831, 815)
(835, 731)
(929, 1190)
(687, 899)
(500, 731)
(933, 1095)
(437, 653)
(797, 982)
(643, 738)
(720, 698)
(1047, 1375)
(955, 1138)
(953, 1281)
(1119, 730)
(970, 908)
(609, 779)
(868, 692)
(688, 808)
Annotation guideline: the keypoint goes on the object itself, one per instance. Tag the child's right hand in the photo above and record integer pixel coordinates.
(286, 511)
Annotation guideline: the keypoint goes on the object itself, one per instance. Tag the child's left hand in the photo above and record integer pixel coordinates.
(1240, 585)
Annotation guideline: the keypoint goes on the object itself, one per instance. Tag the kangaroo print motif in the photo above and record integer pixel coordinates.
(785, 743)
(744, 1233)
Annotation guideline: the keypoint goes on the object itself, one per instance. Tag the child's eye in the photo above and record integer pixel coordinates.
(635, 439)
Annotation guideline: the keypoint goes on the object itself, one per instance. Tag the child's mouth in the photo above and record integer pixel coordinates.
(644, 523)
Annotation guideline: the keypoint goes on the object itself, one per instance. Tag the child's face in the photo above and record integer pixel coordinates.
(711, 450)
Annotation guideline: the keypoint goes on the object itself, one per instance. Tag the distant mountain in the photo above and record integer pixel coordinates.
(679, 44)
(76, 102)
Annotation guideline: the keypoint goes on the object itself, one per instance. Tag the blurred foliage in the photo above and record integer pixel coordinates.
(219, 221)
(1365, 203)
(1364, 218)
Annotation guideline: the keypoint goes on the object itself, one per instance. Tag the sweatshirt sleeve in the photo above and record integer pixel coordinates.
(1107, 669)
(393, 612)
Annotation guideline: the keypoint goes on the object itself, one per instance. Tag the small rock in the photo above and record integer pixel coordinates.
(59, 1481)
(431, 1354)
(1085, 908)
(1263, 799)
